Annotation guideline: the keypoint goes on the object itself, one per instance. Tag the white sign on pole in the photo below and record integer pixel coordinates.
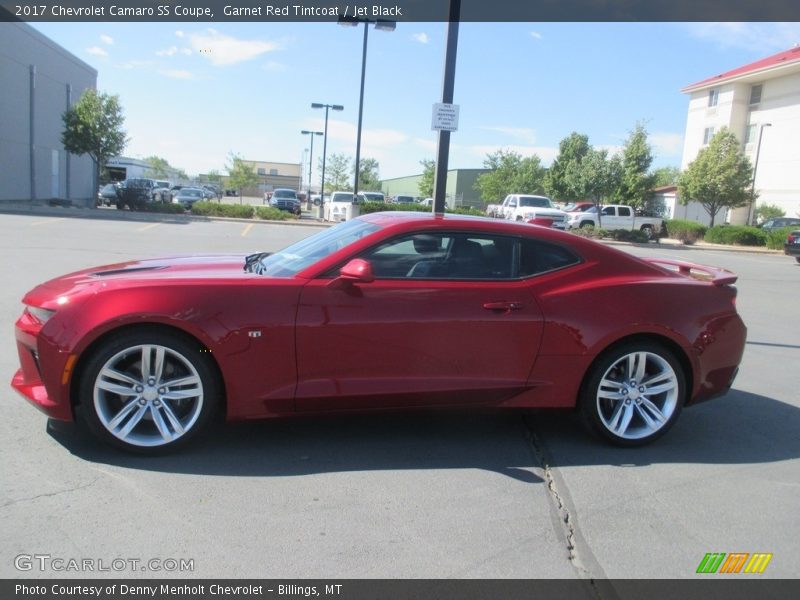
(445, 117)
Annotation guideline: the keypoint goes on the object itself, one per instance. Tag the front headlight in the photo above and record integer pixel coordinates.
(40, 314)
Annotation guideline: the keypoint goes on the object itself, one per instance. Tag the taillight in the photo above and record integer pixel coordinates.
(790, 239)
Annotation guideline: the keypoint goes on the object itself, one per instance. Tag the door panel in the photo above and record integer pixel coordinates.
(405, 342)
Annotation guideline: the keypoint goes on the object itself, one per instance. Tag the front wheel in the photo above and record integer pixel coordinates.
(648, 231)
(634, 393)
(149, 391)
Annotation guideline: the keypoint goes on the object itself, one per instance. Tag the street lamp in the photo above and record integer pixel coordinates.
(310, 162)
(324, 152)
(381, 26)
(751, 212)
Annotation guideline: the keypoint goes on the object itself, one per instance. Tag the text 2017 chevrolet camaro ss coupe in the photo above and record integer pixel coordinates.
(387, 311)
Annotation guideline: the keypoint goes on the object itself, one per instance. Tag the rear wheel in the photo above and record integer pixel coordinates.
(648, 231)
(634, 393)
(149, 391)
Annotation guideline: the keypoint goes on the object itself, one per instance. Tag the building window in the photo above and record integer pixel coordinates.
(755, 94)
(707, 135)
(750, 134)
(261, 171)
(273, 171)
(713, 97)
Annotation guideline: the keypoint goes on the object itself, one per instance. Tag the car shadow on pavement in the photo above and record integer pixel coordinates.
(740, 428)
(472, 439)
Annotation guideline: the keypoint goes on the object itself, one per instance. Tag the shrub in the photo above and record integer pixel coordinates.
(739, 235)
(169, 209)
(768, 211)
(777, 237)
(271, 213)
(214, 209)
(464, 210)
(591, 232)
(687, 232)
(372, 207)
(623, 235)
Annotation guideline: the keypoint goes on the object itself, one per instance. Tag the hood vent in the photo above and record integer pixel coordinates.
(124, 271)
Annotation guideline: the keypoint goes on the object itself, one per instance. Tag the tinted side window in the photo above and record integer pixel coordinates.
(540, 257)
(624, 211)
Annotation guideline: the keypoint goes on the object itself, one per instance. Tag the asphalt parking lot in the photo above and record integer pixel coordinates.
(418, 495)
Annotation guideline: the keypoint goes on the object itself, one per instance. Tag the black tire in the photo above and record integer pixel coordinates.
(618, 406)
(161, 411)
(797, 258)
(648, 230)
(519, 218)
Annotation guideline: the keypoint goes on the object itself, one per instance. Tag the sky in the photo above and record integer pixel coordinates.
(194, 93)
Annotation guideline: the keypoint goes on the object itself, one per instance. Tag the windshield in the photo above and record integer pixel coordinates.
(284, 194)
(342, 197)
(290, 261)
(534, 201)
(190, 193)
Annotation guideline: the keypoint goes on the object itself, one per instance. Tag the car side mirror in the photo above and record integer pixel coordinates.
(357, 270)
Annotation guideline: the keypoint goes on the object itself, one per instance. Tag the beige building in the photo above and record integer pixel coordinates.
(273, 175)
(758, 101)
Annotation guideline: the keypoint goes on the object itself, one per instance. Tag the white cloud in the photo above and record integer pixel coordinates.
(96, 51)
(186, 51)
(171, 51)
(224, 50)
(521, 133)
(177, 73)
(758, 37)
(107, 39)
(667, 144)
(422, 38)
(612, 149)
(134, 64)
(536, 35)
(179, 33)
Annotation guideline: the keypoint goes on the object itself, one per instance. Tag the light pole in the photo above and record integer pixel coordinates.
(751, 212)
(327, 107)
(382, 26)
(310, 162)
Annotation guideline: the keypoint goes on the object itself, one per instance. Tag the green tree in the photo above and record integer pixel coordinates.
(595, 176)
(768, 211)
(240, 174)
(426, 181)
(719, 177)
(571, 150)
(666, 176)
(635, 180)
(93, 126)
(369, 177)
(510, 174)
(158, 167)
(337, 173)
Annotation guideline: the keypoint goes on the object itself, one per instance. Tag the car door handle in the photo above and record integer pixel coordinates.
(503, 305)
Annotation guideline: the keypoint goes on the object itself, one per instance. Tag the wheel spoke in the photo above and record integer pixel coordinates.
(120, 390)
(124, 412)
(193, 392)
(146, 351)
(651, 424)
(159, 366)
(658, 377)
(161, 425)
(110, 373)
(622, 426)
(648, 406)
(636, 365)
(660, 389)
(132, 422)
(173, 420)
(190, 380)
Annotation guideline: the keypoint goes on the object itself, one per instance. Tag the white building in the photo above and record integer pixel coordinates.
(39, 80)
(761, 99)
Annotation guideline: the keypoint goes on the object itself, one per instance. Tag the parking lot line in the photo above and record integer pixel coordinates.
(46, 221)
(247, 229)
(150, 226)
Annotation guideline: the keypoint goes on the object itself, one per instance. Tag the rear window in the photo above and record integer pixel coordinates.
(539, 257)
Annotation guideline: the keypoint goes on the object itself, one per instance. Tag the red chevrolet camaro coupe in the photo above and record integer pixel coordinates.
(387, 311)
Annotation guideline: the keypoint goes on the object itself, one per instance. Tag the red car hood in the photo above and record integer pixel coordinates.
(137, 272)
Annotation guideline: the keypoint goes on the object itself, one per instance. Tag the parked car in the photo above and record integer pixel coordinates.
(161, 192)
(107, 194)
(578, 207)
(779, 223)
(525, 207)
(405, 199)
(614, 217)
(286, 200)
(373, 196)
(339, 205)
(188, 196)
(135, 193)
(792, 245)
(408, 310)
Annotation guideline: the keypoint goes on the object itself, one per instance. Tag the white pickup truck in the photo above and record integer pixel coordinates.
(616, 216)
(524, 207)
